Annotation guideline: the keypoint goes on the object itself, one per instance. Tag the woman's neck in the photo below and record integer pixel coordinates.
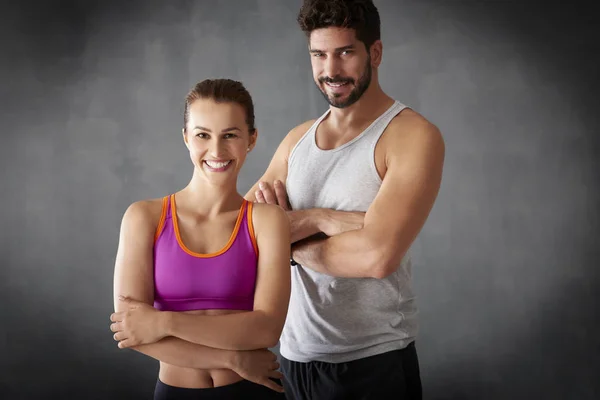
(209, 199)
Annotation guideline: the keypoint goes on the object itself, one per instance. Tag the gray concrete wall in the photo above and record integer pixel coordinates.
(505, 269)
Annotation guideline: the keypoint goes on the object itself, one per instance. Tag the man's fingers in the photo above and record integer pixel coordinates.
(259, 196)
(267, 192)
(281, 194)
(115, 327)
(271, 385)
(116, 317)
(119, 336)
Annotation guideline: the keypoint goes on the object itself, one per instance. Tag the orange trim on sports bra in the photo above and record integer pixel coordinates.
(161, 221)
(251, 227)
(238, 222)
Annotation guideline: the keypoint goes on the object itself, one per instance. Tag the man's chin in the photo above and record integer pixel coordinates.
(338, 102)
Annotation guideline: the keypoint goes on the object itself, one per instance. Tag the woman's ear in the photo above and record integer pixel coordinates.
(253, 137)
(185, 138)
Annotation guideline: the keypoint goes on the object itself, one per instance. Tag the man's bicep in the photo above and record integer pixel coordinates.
(407, 194)
(133, 266)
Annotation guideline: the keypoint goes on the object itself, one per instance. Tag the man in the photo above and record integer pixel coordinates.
(361, 181)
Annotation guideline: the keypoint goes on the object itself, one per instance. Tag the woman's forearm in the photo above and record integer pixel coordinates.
(240, 331)
(175, 351)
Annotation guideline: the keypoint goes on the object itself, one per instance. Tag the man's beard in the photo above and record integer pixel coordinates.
(363, 84)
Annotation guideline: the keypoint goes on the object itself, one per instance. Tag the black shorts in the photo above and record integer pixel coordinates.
(391, 375)
(240, 390)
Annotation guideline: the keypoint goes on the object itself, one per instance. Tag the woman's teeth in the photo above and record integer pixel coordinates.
(217, 164)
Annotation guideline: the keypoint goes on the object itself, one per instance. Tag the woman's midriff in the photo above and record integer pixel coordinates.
(198, 378)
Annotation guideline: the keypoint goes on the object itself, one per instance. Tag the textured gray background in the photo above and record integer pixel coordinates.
(505, 268)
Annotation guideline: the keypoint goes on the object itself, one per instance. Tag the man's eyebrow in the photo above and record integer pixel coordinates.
(347, 47)
(337, 50)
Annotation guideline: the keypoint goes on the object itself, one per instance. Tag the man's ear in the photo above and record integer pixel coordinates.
(376, 53)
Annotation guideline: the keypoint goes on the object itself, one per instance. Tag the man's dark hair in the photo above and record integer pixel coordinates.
(360, 15)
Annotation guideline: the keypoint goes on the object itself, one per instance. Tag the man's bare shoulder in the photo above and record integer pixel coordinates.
(295, 134)
(408, 129)
(298, 131)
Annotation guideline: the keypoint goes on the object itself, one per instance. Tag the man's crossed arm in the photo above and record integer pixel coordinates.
(370, 244)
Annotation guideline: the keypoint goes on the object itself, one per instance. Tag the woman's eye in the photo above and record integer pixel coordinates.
(229, 136)
(201, 135)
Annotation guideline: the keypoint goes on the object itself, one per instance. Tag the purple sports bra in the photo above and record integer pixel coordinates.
(184, 280)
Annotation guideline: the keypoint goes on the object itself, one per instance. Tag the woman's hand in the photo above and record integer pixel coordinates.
(258, 366)
(138, 324)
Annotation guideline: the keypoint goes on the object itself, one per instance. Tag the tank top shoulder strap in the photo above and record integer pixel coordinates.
(169, 206)
(384, 119)
(378, 127)
(244, 230)
(164, 215)
(250, 224)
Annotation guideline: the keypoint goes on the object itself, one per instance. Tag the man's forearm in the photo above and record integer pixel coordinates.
(175, 351)
(348, 255)
(307, 223)
(223, 331)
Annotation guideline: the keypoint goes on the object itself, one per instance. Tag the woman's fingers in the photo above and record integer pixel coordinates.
(271, 385)
(276, 374)
(123, 344)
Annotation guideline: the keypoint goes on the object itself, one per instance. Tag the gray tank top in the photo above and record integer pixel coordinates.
(342, 319)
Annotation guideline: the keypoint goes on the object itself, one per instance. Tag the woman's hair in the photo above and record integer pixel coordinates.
(360, 15)
(221, 91)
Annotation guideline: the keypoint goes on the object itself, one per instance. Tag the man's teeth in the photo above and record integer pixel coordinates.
(217, 164)
(337, 84)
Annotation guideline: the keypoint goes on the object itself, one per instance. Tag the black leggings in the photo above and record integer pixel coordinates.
(240, 390)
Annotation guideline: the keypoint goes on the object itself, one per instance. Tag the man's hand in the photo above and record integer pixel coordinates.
(258, 366)
(273, 195)
(139, 324)
(338, 222)
(305, 223)
(306, 252)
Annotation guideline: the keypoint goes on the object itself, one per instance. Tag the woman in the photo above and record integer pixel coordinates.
(214, 266)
